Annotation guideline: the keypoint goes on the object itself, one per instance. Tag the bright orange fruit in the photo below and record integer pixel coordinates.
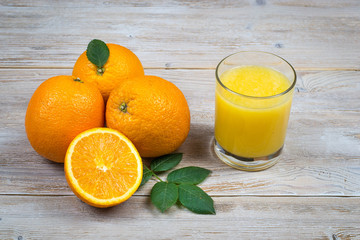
(122, 64)
(102, 167)
(151, 112)
(60, 109)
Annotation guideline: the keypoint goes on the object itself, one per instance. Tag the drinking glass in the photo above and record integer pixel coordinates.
(250, 130)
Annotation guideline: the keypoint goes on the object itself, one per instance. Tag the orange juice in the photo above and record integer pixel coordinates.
(251, 114)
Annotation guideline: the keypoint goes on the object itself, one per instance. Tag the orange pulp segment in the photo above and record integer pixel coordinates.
(103, 167)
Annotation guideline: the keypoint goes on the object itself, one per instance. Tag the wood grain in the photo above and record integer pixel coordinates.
(312, 193)
(310, 35)
(321, 157)
(31, 217)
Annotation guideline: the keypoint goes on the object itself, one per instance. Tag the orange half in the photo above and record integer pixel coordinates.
(103, 167)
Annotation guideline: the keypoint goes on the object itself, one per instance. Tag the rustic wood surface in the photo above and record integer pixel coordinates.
(312, 193)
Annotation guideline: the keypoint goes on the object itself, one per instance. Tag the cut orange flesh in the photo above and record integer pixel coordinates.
(102, 167)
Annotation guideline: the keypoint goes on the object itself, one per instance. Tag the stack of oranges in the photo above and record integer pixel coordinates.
(146, 116)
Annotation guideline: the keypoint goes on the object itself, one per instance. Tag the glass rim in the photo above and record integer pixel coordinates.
(257, 97)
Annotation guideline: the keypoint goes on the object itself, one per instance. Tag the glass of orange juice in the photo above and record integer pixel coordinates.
(252, 106)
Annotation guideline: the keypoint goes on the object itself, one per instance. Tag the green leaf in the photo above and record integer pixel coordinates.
(97, 52)
(147, 174)
(166, 162)
(164, 195)
(190, 175)
(195, 199)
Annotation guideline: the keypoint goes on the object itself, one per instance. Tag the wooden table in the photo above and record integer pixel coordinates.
(312, 193)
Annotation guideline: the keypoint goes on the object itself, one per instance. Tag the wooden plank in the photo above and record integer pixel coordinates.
(321, 155)
(312, 193)
(60, 217)
(182, 34)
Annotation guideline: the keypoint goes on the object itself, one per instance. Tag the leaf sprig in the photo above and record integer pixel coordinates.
(98, 53)
(180, 186)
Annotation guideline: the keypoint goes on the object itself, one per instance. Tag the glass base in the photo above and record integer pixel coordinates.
(246, 164)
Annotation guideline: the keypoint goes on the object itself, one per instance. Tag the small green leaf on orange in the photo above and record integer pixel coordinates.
(97, 53)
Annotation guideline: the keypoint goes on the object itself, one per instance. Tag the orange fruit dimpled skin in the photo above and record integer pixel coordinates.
(122, 64)
(103, 167)
(61, 108)
(151, 112)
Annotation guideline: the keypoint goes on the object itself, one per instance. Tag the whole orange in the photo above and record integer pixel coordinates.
(60, 109)
(152, 112)
(122, 64)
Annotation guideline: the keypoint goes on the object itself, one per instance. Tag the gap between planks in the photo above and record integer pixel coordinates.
(213, 196)
(178, 68)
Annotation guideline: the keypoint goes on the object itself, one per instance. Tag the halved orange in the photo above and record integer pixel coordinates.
(103, 167)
